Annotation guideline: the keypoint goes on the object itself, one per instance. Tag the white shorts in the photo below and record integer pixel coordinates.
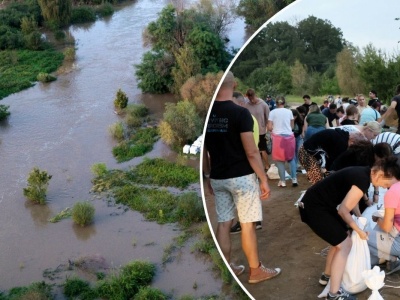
(242, 193)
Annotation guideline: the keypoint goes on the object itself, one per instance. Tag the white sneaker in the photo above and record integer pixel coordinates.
(282, 183)
(294, 182)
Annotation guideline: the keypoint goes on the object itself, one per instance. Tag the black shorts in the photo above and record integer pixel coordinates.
(327, 224)
(262, 143)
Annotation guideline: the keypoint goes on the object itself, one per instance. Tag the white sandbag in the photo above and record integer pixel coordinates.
(186, 149)
(272, 172)
(374, 279)
(358, 261)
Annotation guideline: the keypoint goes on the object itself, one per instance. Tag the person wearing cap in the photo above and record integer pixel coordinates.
(234, 174)
(271, 102)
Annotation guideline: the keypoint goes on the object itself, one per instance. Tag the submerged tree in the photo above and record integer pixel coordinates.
(56, 12)
(38, 182)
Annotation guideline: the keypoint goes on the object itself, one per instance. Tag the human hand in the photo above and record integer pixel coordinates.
(363, 234)
(265, 191)
(208, 186)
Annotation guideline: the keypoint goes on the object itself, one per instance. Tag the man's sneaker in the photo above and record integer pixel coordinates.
(392, 267)
(258, 225)
(324, 279)
(281, 183)
(236, 228)
(341, 295)
(262, 273)
(294, 182)
(237, 269)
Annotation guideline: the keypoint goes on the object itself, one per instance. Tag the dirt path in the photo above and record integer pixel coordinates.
(286, 242)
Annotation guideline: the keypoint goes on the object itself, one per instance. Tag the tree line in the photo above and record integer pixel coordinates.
(312, 57)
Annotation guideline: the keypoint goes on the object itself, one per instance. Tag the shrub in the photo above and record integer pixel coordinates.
(83, 14)
(37, 290)
(99, 169)
(4, 113)
(133, 121)
(189, 209)
(73, 287)
(117, 131)
(121, 100)
(38, 182)
(105, 10)
(60, 35)
(83, 213)
(34, 41)
(45, 77)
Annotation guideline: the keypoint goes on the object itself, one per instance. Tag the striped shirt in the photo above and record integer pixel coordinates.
(393, 139)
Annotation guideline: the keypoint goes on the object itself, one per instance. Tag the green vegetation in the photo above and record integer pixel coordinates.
(83, 213)
(64, 214)
(256, 13)
(117, 131)
(45, 77)
(4, 113)
(99, 169)
(105, 10)
(83, 14)
(121, 100)
(19, 68)
(149, 293)
(37, 290)
(38, 182)
(140, 143)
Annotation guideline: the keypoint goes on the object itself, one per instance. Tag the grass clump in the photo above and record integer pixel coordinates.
(75, 287)
(149, 293)
(45, 77)
(164, 173)
(83, 14)
(139, 144)
(105, 10)
(117, 131)
(99, 169)
(132, 277)
(38, 182)
(83, 213)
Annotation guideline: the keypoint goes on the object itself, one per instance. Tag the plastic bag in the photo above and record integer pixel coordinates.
(272, 172)
(374, 279)
(358, 261)
(283, 147)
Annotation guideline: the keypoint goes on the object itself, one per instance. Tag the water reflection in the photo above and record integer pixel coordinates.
(84, 233)
(40, 213)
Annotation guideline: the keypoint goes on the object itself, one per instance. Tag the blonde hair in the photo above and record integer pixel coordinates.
(373, 126)
(314, 108)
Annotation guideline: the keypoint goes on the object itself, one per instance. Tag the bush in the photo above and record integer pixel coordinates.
(34, 41)
(99, 169)
(60, 35)
(83, 14)
(117, 131)
(4, 113)
(74, 287)
(190, 209)
(38, 182)
(45, 77)
(83, 213)
(121, 100)
(105, 10)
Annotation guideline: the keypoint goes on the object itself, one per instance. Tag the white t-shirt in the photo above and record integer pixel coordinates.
(281, 118)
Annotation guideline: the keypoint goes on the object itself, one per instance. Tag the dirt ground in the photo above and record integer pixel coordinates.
(286, 242)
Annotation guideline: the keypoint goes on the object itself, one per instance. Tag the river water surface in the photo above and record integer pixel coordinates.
(62, 128)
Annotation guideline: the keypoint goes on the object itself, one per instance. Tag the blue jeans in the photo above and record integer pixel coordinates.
(312, 130)
(299, 143)
(281, 167)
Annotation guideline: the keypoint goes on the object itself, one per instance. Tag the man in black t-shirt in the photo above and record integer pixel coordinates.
(394, 106)
(330, 113)
(231, 165)
(373, 95)
(307, 103)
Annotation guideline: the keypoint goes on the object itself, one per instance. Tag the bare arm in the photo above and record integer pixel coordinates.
(305, 125)
(386, 223)
(270, 125)
(348, 204)
(390, 110)
(207, 170)
(292, 123)
(254, 158)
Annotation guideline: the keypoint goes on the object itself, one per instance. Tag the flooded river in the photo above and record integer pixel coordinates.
(62, 128)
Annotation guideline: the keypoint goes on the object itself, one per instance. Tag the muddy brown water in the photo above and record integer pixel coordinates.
(62, 127)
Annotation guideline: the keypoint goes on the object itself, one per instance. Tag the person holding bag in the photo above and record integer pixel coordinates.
(318, 209)
(281, 124)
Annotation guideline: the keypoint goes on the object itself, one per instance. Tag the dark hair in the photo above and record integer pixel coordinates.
(398, 89)
(280, 100)
(301, 109)
(364, 152)
(389, 166)
(237, 94)
(250, 93)
(375, 105)
(382, 150)
(374, 92)
(351, 110)
(306, 96)
(340, 109)
(332, 106)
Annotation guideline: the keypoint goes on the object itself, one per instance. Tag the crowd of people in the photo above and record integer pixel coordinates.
(343, 149)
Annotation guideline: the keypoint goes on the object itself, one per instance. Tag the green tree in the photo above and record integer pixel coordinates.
(38, 182)
(257, 12)
(4, 113)
(56, 12)
(181, 124)
(154, 72)
(299, 78)
(347, 75)
(187, 65)
(321, 41)
(121, 100)
(374, 65)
